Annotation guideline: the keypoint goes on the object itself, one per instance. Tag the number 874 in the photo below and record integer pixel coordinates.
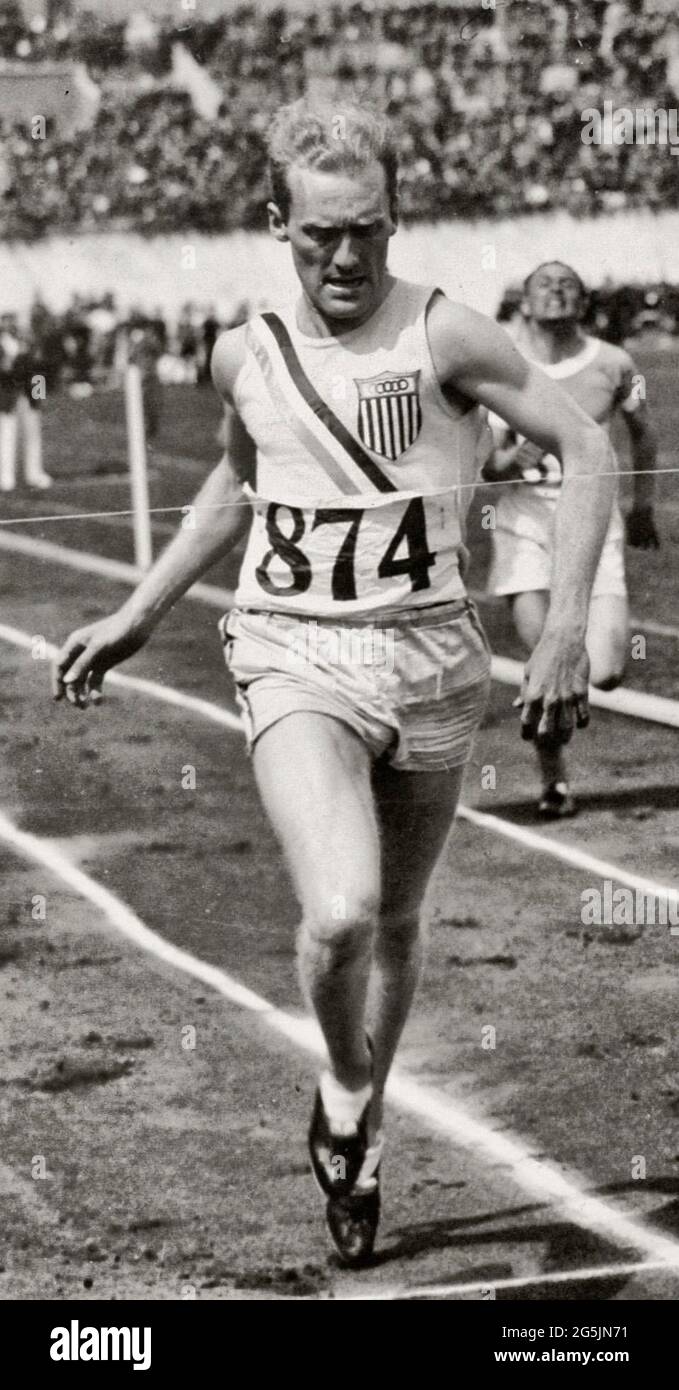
(411, 532)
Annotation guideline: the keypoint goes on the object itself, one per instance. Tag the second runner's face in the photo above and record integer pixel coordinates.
(338, 226)
(553, 295)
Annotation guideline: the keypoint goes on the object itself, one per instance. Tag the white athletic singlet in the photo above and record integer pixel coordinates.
(600, 378)
(364, 472)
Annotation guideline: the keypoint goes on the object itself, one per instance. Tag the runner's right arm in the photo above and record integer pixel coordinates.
(221, 518)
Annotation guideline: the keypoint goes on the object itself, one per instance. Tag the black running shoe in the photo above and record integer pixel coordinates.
(352, 1222)
(556, 802)
(336, 1160)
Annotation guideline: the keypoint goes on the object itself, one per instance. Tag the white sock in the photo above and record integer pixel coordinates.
(366, 1179)
(343, 1108)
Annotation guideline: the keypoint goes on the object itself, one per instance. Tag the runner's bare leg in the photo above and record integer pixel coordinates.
(607, 639)
(313, 774)
(416, 811)
(361, 851)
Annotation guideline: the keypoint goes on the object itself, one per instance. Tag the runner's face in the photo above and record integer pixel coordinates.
(554, 295)
(338, 226)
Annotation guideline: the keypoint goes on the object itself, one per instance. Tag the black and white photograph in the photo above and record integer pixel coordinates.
(339, 631)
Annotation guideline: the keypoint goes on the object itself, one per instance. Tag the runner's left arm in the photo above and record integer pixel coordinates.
(475, 355)
(218, 518)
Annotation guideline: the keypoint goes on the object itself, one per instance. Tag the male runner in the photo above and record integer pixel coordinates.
(354, 431)
(601, 378)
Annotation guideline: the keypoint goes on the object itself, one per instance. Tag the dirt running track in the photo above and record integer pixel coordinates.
(180, 1171)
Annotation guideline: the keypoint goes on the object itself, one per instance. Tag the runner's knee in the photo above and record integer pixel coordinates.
(397, 936)
(607, 667)
(607, 641)
(345, 925)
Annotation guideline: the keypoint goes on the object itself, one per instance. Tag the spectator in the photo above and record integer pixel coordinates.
(9, 395)
(488, 112)
(21, 396)
(32, 379)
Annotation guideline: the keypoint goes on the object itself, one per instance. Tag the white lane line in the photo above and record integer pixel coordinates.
(635, 623)
(489, 1287)
(635, 704)
(631, 703)
(165, 693)
(94, 480)
(565, 1194)
(657, 629)
(569, 854)
(434, 1107)
(86, 563)
(51, 856)
(557, 849)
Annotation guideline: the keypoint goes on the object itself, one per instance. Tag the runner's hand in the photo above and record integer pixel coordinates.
(554, 693)
(81, 664)
(640, 527)
(528, 455)
(510, 464)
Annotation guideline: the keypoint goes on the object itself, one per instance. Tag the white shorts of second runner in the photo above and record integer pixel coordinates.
(523, 547)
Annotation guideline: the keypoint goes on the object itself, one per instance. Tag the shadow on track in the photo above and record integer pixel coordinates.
(564, 1246)
(658, 797)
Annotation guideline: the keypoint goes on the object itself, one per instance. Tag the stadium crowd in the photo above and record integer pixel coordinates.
(487, 103)
(87, 348)
(89, 344)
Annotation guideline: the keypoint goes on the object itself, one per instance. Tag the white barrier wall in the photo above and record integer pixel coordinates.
(471, 261)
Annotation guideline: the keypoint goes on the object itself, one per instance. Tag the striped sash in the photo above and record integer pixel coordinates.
(315, 424)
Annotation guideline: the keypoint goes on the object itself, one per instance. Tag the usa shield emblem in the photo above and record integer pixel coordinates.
(389, 412)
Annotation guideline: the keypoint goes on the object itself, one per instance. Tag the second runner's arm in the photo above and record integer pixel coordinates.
(476, 356)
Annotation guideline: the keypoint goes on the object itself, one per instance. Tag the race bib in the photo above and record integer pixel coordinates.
(343, 558)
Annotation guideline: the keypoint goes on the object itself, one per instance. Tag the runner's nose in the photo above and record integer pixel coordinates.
(346, 257)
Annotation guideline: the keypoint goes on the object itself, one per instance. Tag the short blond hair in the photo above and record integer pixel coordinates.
(331, 137)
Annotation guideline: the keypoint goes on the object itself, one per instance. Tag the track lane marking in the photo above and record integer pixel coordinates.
(633, 704)
(521, 1281)
(564, 1193)
(634, 621)
(164, 693)
(568, 854)
(656, 629)
(86, 563)
(560, 1192)
(543, 844)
